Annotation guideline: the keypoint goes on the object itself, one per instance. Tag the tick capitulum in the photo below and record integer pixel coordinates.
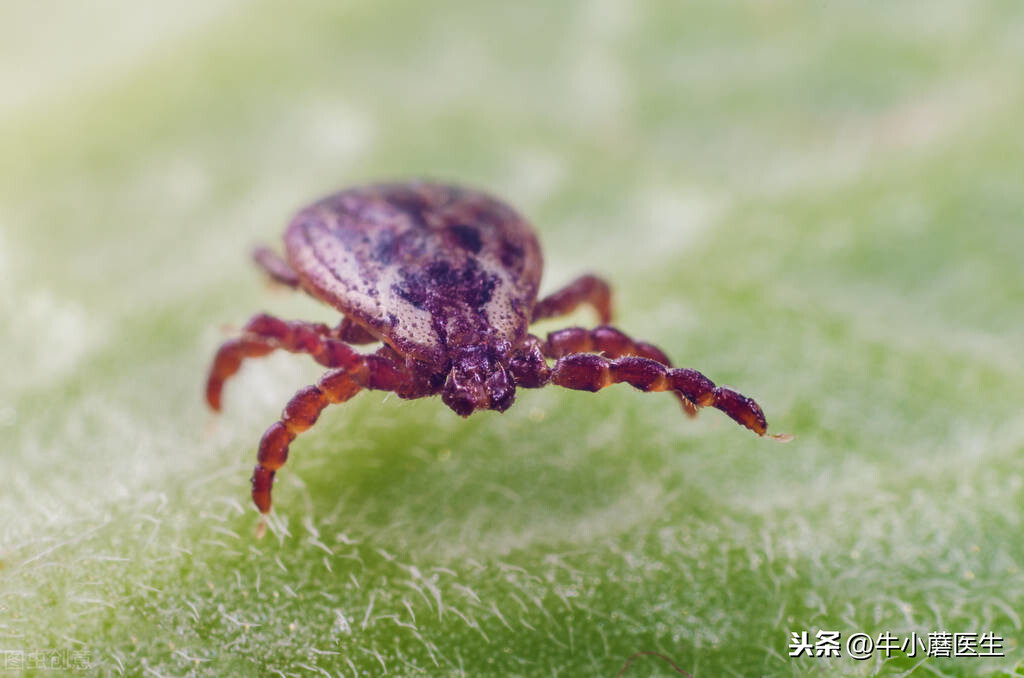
(446, 279)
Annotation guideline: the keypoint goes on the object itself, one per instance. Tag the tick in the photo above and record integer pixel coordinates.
(445, 279)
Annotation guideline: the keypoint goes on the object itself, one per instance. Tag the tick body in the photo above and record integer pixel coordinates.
(445, 279)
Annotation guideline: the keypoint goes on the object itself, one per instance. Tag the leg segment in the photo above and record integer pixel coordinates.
(352, 333)
(591, 372)
(587, 289)
(279, 271)
(275, 267)
(302, 411)
(611, 343)
(264, 334)
(529, 366)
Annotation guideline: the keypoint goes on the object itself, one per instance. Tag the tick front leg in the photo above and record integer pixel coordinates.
(264, 334)
(587, 289)
(611, 343)
(275, 267)
(370, 372)
(299, 414)
(590, 372)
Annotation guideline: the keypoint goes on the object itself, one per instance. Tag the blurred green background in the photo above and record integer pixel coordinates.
(818, 203)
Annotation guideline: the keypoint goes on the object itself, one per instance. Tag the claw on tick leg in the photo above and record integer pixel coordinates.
(782, 437)
(261, 527)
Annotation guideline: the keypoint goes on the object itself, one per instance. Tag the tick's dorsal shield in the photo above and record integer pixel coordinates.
(425, 266)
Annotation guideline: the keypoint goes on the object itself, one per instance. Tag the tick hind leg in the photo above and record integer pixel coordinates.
(264, 334)
(279, 271)
(588, 289)
(352, 333)
(611, 343)
(376, 372)
(275, 267)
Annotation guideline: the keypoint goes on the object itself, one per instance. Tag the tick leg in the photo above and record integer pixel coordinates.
(275, 267)
(611, 343)
(264, 334)
(587, 289)
(279, 271)
(352, 333)
(369, 372)
(591, 372)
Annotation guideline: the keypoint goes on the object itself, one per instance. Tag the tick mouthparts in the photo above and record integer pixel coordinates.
(781, 437)
(501, 389)
(464, 396)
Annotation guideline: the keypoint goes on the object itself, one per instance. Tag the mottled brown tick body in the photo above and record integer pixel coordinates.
(446, 279)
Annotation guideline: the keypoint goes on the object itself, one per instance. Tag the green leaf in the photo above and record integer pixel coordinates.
(818, 204)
